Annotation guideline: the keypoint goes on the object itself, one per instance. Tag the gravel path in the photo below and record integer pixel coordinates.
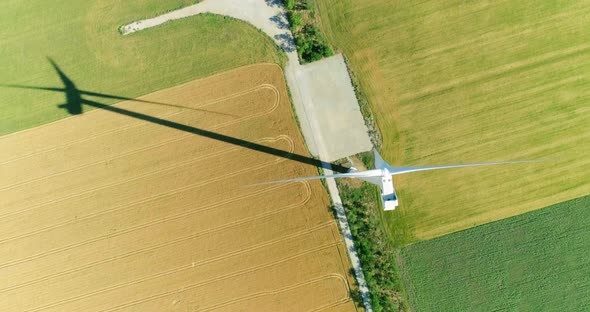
(269, 16)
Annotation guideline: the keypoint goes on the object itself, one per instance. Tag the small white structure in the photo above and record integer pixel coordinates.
(383, 173)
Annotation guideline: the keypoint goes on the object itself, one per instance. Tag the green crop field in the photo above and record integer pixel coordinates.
(82, 38)
(537, 261)
(469, 81)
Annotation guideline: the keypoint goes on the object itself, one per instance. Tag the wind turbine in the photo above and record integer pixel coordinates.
(383, 173)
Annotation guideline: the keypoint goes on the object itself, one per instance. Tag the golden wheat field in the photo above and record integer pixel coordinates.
(107, 212)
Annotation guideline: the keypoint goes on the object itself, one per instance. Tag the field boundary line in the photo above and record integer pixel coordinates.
(167, 115)
(189, 266)
(277, 160)
(285, 289)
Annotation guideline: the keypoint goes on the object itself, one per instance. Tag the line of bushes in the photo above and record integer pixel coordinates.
(377, 257)
(309, 40)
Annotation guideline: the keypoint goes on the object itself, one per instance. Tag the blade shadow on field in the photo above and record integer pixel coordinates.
(74, 96)
(75, 101)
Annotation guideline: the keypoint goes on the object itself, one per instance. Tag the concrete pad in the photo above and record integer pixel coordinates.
(333, 103)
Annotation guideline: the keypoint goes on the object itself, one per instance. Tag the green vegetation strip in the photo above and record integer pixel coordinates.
(311, 43)
(87, 46)
(538, 261)
(376, 255)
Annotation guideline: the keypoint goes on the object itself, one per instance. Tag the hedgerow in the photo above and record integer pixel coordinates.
(377, 257)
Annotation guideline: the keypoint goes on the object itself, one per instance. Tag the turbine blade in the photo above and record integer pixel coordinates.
(362, 174)
(402, 170)
(379, 162)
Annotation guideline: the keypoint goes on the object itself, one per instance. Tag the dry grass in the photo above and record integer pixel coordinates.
(105, 212)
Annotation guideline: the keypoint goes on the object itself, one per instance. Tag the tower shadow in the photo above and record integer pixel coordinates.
(74, 106)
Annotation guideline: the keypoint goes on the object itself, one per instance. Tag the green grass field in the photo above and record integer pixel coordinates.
(469, 81)
(83, 39)
(536, 261)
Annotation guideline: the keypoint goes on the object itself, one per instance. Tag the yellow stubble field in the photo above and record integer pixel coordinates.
(106, 212)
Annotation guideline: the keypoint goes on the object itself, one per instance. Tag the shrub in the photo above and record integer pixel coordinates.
(295, 19)
(311, 45)
(310, 30)
(289, 4)
(304, 4)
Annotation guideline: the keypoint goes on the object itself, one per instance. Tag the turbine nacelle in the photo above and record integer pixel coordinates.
(384, 180)
(388, 196)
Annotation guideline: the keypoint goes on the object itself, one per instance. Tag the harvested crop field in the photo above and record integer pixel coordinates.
(106, 212)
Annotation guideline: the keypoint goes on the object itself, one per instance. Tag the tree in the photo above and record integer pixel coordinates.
(295, 19)
(290, 4)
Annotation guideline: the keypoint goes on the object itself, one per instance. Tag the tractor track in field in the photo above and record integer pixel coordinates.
(138, 177)
(143, 123)
(176, 270)
(79, 244)
(223, 277)
(287, 288)
(166, 222)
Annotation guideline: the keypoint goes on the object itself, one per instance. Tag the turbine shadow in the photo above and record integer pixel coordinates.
(74, 96)
(75, 101)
